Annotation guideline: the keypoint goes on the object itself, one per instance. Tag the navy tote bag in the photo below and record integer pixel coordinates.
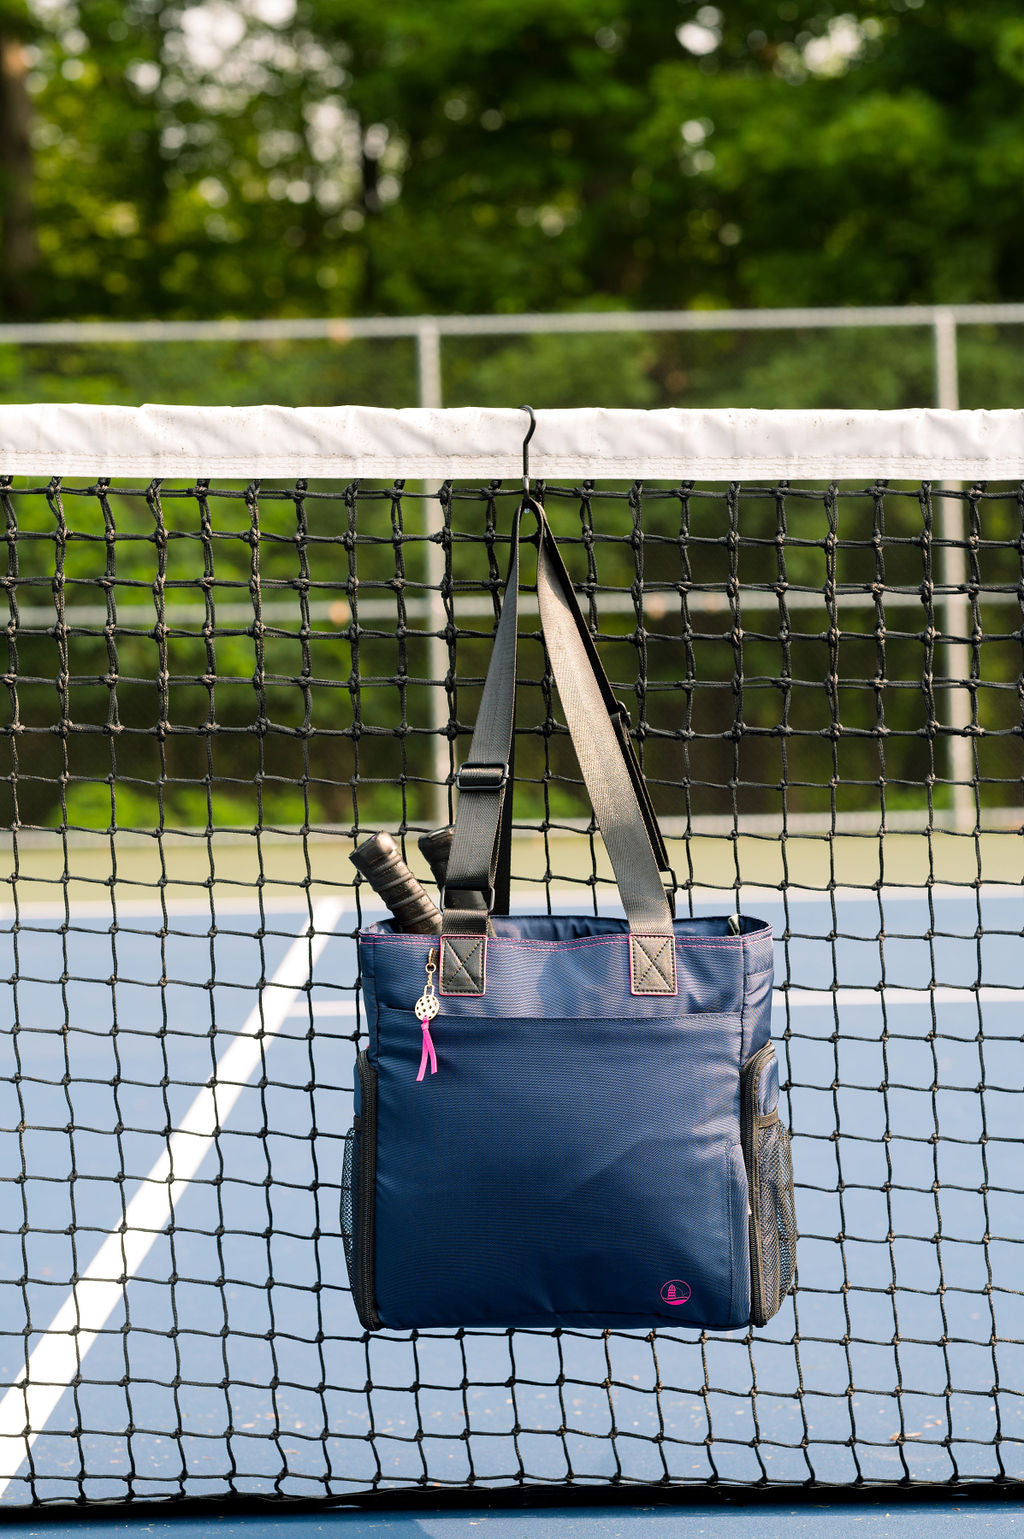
(565, 1120)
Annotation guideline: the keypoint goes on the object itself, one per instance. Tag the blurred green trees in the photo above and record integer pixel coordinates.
(287, 157)
(295, 156)
(281, 157)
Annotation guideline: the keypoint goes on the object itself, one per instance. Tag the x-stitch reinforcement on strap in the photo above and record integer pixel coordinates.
(659, 957)
(460, 955)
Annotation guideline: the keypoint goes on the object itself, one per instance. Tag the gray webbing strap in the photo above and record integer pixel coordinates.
(609, 770)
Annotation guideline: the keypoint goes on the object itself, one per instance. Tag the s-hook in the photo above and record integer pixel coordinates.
(526, 448)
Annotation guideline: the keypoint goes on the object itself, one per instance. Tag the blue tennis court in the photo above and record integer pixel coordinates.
(232, 1358)
(817, 1518)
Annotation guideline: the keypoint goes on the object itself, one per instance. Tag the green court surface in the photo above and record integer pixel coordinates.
(80, 863)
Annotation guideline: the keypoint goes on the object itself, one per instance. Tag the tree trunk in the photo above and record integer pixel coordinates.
(18, 251)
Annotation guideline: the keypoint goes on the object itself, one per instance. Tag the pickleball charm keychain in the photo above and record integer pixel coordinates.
(426, 1008)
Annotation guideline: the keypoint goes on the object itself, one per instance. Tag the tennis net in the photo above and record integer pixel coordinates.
(238, 642)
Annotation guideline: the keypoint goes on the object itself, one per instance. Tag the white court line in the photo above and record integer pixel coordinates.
(894, 995)
(149, 908)
(35, 1393)
(723, 899)
(326, 1007)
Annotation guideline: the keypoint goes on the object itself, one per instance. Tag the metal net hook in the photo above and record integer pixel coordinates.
(526, 448)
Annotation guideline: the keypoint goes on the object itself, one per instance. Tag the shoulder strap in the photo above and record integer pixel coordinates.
(598, 727)
(553, 579)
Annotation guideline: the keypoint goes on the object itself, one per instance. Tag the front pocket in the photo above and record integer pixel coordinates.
(536, 1179)
(358, 1192)
(769, 1162)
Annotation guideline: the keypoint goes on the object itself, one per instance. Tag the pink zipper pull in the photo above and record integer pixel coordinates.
(428, 1050)
(427, 1007)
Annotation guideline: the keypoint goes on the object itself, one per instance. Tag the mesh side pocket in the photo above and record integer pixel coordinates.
(775, 1219)
(358, 1195)
(348, 1204)
(769, 1161)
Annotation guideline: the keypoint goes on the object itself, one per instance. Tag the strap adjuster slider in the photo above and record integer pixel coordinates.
(481, 777)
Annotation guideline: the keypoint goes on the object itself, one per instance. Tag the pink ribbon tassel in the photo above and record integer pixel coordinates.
(428, 1051)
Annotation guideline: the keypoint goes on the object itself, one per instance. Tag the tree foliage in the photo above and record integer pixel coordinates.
(262, 157)
(288, 156)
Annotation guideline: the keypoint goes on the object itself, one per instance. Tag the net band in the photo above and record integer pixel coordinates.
(364, 441)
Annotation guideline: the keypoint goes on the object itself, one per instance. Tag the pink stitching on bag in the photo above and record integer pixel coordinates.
(727, 943)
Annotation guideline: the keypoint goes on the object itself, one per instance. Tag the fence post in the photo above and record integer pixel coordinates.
(953, 606)
(428, 361)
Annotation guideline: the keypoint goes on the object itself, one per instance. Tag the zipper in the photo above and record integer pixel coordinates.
(365, 1304)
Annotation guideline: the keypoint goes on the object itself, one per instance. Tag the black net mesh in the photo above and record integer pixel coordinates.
(212, 690)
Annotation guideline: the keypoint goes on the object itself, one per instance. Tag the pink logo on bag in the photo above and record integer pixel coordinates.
(676, 1292)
